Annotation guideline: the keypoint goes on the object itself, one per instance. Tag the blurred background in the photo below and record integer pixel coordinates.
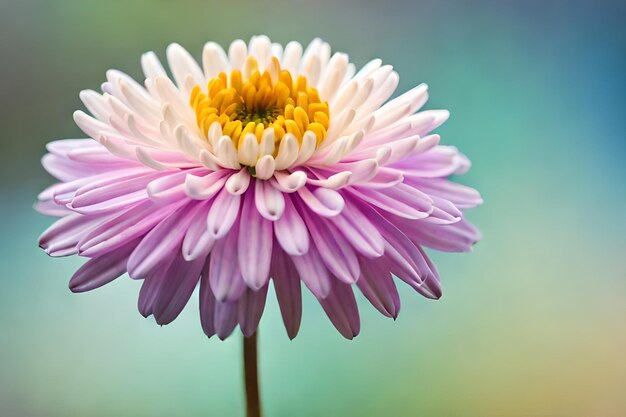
(532, 323)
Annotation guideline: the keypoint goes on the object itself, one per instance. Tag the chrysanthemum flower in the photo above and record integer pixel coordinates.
(262, 164)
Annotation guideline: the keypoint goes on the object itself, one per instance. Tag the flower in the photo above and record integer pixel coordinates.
(263, 163)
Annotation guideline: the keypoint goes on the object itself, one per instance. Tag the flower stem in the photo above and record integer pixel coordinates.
(251, 376)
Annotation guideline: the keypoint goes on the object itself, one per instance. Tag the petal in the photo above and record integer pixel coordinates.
(341, 308)
(225, 318)
(288, 291)
(251, 306)
(61, 239)
(207, 303)
(177, 288)
(325, 202)
(203, 188)
(312, 272)
(376, 284)
(360, 231)
(99, 271)
(335, 251)
(198, 241)
(255, 244)
(225, 278)
(116, 231)
(223, 213)
(401, 200)
(160, 243)
(269, 201)
(460, 195)
(291, 231)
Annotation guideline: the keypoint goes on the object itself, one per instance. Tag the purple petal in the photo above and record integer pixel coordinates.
(255, 244)
(291, 231)
(460, 195)
(176, 289)
(340, 306)
(160, 243)
(335, 251)
(225, 318)
(376, 284)
(207, 302)
(288, 291)
(198, 242)
(401, 200)
(359, 231)
(312, 272)
(269, 201)
(61, 239)
(457, 237)
(225, 278)
(99, 271)
(223, 213)
(126, 226)
(323, 201)
(251, 306)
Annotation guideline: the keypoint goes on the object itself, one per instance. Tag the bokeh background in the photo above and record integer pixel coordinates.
(532, 323)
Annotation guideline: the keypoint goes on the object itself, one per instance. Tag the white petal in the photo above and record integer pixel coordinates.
(203, 188)
(227, 155)
(237, 53)
(151, 65)
(267, 142)
(309, 143)
(287, 152)
(291, 56)
(248, 151)
(238, 183)
(214, 60)
(289, 183)
(265, 167)
(182, 64)
(269, 201)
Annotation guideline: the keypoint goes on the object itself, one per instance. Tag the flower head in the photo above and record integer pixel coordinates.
(262, 164)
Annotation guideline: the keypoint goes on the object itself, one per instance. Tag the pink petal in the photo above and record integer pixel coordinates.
(225, 278)
(269, 201)
(225, 318)
(160, 243)
(203, 188)
(291, 231)
(460, 195)
(101, 270)
(198, 242)
(223, 213)
(335, 251)
(376, 284)
(125, 226)
(401, 200)
(325, 202)
(312, 272)
(407, 261)
(176, 289)
(255, 244)
(61, 239)
(359, 231)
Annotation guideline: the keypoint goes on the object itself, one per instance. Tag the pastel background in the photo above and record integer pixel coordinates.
(532, 323)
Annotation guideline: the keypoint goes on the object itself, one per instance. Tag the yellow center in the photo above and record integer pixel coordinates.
(250, 102)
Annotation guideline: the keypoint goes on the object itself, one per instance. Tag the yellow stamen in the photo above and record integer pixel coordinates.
(251, 102)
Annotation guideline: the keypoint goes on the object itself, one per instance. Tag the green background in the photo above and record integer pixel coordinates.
(532, 323)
